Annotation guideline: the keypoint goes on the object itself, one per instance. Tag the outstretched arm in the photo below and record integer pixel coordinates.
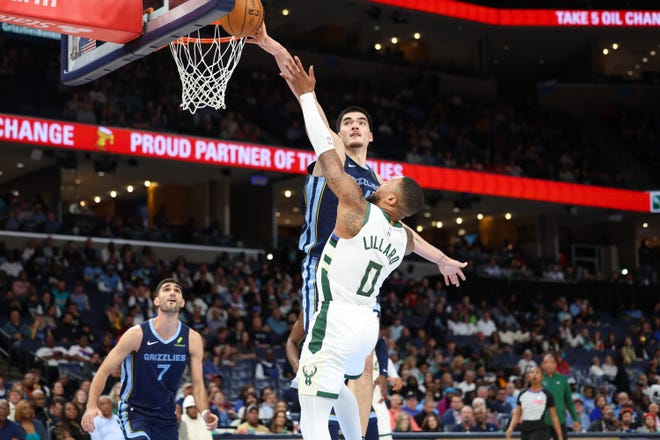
(128, 343)
(449, 268)
(322, 138)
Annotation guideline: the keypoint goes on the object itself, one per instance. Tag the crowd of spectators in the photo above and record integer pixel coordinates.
(461, 364)
(415, 123)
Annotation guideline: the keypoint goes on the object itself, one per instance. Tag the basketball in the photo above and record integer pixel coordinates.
(244, 19)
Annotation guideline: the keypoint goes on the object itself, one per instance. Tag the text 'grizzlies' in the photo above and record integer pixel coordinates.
(378, 243)
(165, 357)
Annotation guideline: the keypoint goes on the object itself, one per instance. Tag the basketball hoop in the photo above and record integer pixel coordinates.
(205, 66)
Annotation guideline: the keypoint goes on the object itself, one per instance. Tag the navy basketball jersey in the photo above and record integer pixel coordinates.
(321, 205)
(150, 377)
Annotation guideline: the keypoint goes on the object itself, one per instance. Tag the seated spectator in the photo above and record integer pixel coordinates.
(251, 424)
(608, 423)
(467, 419)
(404, 423)
(410, 403)
(648, 424)
(38, 401)
(278, 423)
(15, 328)
(480, 424)
(107, 424)
(428, 407)
(595, 369)
(500, 405)
(80, 298)
(609, 369)
(583, 416)
(267, 368)
(31, 427)
(192, 426)
(485, 325)
(527, 362)
(467, 385)
(431, 423)
(453, 414)
(8, 428)
(222, 409)
(626, 420)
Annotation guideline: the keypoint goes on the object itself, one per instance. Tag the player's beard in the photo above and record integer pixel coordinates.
(166, 307)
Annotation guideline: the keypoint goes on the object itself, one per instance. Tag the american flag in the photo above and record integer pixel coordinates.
(87, 45)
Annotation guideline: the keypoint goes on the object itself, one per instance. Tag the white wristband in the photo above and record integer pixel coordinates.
(204, 414)
(318, 133)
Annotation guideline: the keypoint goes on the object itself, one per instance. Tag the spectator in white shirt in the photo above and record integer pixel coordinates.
(464, 327)
(192, 426)
(468, 383)
(595, 369)
(609, 369)
(485, 325)
(107, 424)
(53, 355)
(526, 363)
(493, 269)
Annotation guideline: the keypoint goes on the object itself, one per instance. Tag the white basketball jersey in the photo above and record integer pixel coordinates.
(353, 270)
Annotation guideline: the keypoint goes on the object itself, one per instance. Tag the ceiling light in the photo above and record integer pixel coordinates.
(461, 232)
(394, 40)
(269, 256)
(419, 228)
(615, 46)
(645, 225)
(287, 193)
(277, 214)
(83, 203)
(652, 53)
(507, 216)
(645, 60)
(285, 12)
(78, 181)
(417, 35)
(630, 73)
(130, 188)
(427, 214)
(113, 194)
(378, 46)
(637, 66)
(97, 199)
(20, 165)
(606, 51)
(459, 220)
(480, 216)
(147, 183)
(296, 209)
(438, 225)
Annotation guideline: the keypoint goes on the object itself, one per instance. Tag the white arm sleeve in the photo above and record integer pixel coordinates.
(391, 369)
(318, 133)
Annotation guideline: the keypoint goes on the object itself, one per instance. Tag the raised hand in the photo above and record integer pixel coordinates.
(451, 270)
(301, 82)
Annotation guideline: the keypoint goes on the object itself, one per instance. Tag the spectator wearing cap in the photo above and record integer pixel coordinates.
(251, 424)
(648, 423)
(626, 420)
(410, 403)
(583, 416)
(192, 426)
(445, 401)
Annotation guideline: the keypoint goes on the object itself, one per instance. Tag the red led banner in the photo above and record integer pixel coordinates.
(530, 17)
(111, 140)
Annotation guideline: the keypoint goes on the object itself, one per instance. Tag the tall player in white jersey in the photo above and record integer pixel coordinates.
(367, 244)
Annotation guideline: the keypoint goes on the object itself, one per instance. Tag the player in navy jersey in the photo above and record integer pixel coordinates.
(153, 357)
(533, 404)
(354, 127)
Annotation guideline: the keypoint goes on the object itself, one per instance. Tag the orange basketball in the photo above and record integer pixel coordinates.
(245, 19)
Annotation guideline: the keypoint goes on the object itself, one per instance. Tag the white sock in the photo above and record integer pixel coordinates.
(348, 416)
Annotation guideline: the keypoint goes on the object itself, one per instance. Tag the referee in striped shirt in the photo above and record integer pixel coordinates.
(533, 404)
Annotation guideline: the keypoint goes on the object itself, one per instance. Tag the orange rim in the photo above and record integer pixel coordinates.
(188, 40)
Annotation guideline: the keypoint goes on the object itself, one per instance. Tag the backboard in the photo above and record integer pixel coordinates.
(85, 59)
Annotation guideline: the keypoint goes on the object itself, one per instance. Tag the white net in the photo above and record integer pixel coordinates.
(205, 66)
